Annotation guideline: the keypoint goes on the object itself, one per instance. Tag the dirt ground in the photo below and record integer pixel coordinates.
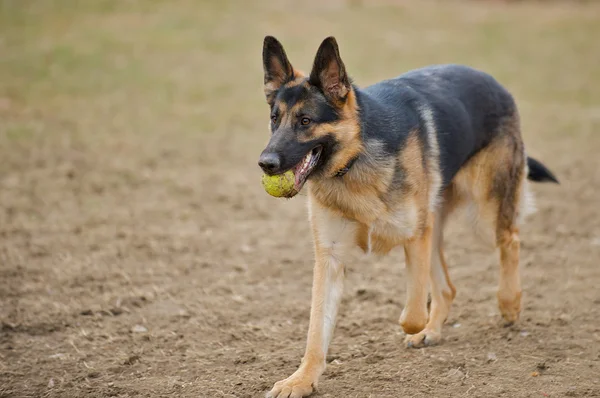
(139, 256)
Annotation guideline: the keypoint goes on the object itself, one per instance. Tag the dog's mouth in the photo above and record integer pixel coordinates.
(303, 169)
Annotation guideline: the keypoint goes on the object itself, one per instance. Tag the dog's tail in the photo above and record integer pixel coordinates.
(538, 172)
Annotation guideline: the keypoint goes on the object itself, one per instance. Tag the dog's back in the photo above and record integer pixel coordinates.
(463, 107)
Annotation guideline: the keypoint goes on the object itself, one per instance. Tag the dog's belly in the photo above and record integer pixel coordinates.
(387, 232)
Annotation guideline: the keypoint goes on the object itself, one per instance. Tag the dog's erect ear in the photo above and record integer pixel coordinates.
(329, 72)
(278, 69)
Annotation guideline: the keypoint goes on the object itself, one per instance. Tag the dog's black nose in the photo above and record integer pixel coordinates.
(269, 162)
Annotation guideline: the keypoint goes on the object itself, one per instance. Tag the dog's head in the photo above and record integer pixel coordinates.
(314, 120)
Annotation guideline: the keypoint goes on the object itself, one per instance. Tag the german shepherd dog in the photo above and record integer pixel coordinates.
(386, 165)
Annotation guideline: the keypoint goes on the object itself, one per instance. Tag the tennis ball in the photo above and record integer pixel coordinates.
(280, 185)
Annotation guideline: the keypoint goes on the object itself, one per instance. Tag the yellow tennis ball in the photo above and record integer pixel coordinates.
(280, 185)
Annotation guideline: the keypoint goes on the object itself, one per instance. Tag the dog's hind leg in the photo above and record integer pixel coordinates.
(509, 289)
(494, 183)
(509, 192)
(507, 239)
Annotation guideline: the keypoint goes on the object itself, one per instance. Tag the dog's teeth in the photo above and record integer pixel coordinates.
(305, 163)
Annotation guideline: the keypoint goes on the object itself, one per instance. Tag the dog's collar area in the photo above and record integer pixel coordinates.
(343, 171)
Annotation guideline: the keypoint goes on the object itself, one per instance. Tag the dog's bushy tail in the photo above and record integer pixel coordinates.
(538, 172)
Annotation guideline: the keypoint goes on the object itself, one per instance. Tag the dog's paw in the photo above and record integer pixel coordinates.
(425, 338)
(297, 385)
(510, 307)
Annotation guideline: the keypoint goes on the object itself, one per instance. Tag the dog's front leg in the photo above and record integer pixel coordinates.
(328, 278)
(418, 263)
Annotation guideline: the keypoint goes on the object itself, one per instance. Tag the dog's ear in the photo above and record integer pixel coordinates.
(277, 67)
(329, 73)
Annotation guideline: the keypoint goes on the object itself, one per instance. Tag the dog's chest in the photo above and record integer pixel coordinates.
(388, 231)
(379, 219)
(399, 223)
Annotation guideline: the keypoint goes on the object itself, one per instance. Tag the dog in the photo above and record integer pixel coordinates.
(386, 165)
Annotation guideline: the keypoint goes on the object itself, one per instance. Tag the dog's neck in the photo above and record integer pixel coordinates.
(369, 163)
(346, 168)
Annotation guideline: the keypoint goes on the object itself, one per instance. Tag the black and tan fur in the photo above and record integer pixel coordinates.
(396, 159)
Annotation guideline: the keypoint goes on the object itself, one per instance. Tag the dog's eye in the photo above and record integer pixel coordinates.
(305, 121)
(274, 119)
